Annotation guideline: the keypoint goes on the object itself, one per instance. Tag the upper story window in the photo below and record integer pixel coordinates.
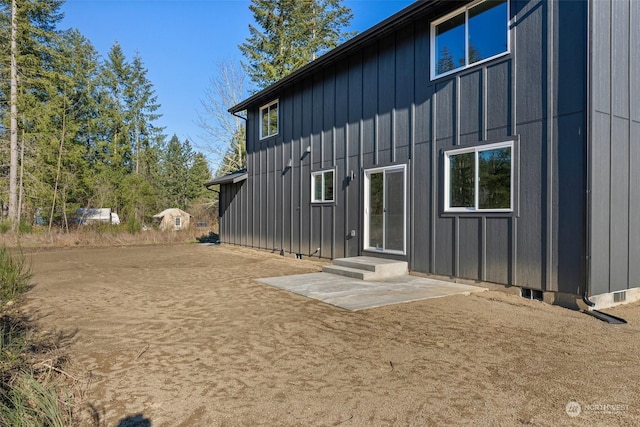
(269, 120)
(322, 186)
(479, 178)
(468, 36)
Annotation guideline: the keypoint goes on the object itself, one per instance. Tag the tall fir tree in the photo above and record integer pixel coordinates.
(26, 50)
(291, 33)
(142, 107)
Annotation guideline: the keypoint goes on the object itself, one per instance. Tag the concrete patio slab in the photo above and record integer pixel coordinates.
(354, 294)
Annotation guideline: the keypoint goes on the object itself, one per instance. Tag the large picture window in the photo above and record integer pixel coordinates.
(269, 120)
(322, 186)
(470, 35)
(479, 178)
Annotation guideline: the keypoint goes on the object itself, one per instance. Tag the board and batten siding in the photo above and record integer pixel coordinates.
(615, 146)
(376, 106)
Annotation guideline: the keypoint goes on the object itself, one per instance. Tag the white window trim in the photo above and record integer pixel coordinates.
(367, 174)
(274, 102)
(477, 149)
(177, 221)
(313, 186)
(456, 12)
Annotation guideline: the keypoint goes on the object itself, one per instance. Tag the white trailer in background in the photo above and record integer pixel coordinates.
(93, 215)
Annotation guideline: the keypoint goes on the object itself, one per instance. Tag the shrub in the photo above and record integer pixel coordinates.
(134, 226)
(15, 274)
(25, 227)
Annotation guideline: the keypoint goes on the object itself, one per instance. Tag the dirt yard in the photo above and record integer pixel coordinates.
(182, 335)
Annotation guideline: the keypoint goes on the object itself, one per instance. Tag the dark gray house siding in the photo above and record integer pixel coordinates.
(614, 161)
(562, 95)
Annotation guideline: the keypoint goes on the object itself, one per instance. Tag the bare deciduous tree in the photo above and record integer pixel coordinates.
(223, 136)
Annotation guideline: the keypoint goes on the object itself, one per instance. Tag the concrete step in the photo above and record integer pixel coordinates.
(354, 273)
(367, 268)
(377, 265)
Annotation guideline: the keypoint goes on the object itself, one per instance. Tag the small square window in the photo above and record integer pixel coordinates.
(322, 184)
(479, 178)
(468, 36)
(269, 120)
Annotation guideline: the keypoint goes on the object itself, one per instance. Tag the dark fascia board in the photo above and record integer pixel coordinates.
(412, 12)
(231, 178)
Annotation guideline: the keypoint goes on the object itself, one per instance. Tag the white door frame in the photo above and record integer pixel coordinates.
(367, 177)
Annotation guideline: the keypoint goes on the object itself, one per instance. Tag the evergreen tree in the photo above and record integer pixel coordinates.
(34, 39)
(199, 173)
(289, 34)
(141, 110)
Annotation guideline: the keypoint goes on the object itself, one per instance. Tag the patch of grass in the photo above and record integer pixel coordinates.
(134, 226)
(5, 226)
(25, 227)
(35, 402)
(31, 393)
(15, 275)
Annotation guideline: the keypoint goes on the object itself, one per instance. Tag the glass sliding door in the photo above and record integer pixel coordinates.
(385, 209)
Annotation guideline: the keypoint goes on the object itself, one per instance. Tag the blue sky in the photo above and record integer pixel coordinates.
(180, 42)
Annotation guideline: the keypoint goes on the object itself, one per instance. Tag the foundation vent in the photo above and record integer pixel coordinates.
(531, 294)
(620, 296)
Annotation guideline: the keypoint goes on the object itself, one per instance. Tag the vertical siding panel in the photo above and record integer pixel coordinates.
(600, 219)
(470, 100)
(634, 60)
(355, 114)
(369, 105)
(386, 98)
(498, 250)
(445, 111)
(498, 102)
(278, 184)
(404, 96)
(296, 207)
(619, 210)
(422, 206)
(422, 185)
(570, 204)
(444, 255)
(531, 72)
(470, 248)
(305, 171)
(342, 186)
(530, 240)
(620, 58)
(328, 119)
(601, 63)
(443, 232)
(634, 204)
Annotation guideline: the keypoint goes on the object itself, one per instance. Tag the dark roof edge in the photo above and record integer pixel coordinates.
(231, 178)
(399, 18)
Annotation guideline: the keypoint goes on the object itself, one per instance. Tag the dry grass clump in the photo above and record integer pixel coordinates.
(33, 386)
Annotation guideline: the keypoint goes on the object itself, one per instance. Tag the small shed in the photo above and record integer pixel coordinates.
(173, 219)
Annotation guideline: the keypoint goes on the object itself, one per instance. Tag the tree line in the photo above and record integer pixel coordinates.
(84, 127)
(78, 130)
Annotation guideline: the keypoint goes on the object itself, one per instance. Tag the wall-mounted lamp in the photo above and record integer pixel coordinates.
(287, 166)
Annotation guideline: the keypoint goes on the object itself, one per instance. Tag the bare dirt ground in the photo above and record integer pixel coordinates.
(182, 335)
